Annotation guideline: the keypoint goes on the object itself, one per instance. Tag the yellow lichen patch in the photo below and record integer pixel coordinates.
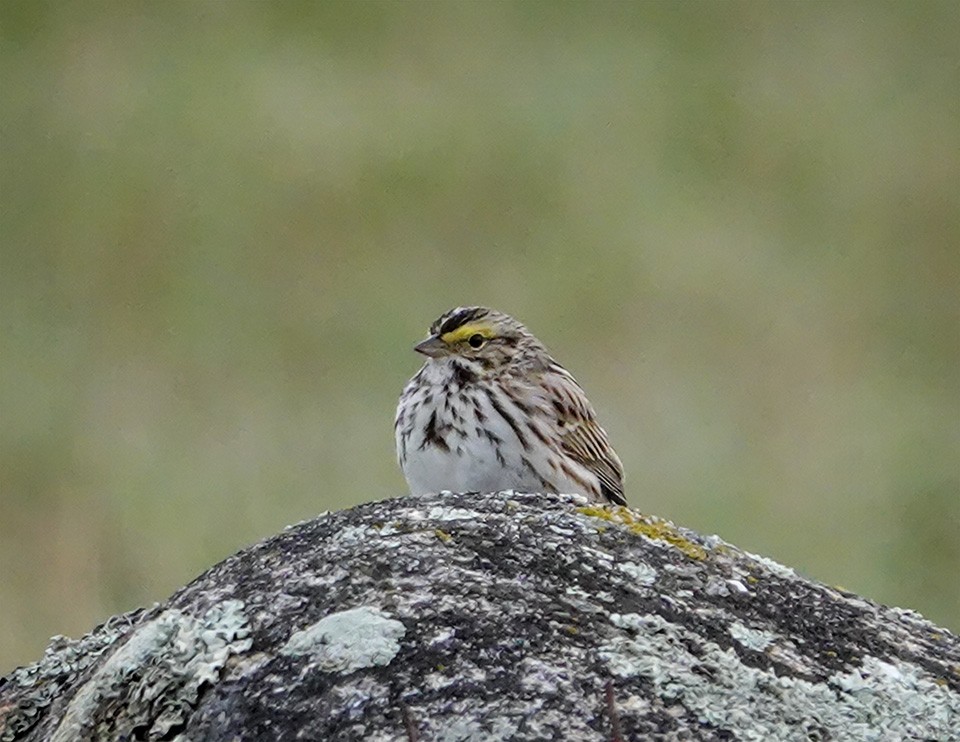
(596, 511)
(652, 528)
(442, 535)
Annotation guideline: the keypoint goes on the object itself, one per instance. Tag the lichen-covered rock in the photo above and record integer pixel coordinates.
(495, 617)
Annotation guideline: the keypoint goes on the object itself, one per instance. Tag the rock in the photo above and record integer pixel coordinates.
(495, 617)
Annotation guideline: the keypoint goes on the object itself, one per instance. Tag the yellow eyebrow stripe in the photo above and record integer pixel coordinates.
(465, 331)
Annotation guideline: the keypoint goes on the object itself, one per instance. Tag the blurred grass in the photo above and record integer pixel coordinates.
(222, 225)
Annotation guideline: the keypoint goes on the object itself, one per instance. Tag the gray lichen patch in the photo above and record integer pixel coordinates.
(154, 678)
(36, 687)
(755, 639)
(641, 574)
(724, 692)
(348, 640)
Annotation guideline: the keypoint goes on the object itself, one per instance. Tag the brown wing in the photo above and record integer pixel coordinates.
(581, 435)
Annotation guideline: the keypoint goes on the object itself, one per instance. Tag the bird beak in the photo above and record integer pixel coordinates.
(432, 346)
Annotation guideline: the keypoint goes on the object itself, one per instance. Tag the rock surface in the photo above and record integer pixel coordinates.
(495, 617)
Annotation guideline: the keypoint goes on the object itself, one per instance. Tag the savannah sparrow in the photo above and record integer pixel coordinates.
(491, 410)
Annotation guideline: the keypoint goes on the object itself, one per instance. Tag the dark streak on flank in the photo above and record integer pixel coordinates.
(519, 404)
(573, 476)
(509, 419)
(540, 435)
(547, 485)
(431, 436)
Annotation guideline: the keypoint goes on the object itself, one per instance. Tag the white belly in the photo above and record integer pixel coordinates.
(472, 466)
(470, 461)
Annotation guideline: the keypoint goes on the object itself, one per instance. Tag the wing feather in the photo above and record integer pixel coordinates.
(582, 438)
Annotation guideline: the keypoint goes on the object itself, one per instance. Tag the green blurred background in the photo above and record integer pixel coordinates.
(225, 224)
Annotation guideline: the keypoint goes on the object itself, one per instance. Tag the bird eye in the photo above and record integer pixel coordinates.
(476, 340)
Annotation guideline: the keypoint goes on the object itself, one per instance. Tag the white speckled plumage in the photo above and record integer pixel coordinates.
(490, 410)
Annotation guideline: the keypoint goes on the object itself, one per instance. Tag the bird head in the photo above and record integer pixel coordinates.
(490, 338)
